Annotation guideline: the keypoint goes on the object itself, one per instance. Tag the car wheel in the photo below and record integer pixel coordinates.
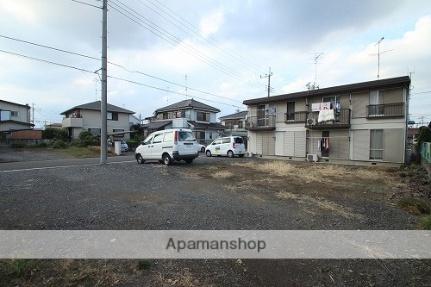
(208, 153)
(241, 155)
(230, 154)
(202, 150)
(189, 161)
(139, 159)
(166, 159)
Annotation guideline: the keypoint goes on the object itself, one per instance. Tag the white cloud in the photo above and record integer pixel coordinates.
(211, 23)
(22, 12)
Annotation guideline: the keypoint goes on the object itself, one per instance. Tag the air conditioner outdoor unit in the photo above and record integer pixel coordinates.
(312, 157)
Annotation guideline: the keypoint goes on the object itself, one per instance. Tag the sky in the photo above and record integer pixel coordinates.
(219, 49)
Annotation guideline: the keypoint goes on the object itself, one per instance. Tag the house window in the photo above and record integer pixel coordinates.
(112, 116)
(240, 124)
(290, 111)
(202, 116)
(5, 115)
(117, 130)
(14, 114)
(200, 135)
(376, 144)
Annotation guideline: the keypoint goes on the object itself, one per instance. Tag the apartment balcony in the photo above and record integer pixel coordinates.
(295, 118)
(341, 121)
(395, 110)
(260, 123)
(72, 123)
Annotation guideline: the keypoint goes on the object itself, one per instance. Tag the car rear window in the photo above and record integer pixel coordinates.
(186, 136)
(238, 140)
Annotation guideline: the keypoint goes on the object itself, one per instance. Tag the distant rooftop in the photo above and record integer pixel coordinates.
(238, 115)
(95, 106)
(188, 104)
(390, 82)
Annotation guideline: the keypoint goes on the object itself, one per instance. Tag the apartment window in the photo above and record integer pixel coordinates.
(202, 116)
(376, 144)
(291, 111)
(376, 101)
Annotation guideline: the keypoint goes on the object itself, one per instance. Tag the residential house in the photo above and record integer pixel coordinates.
(356, 122)
(14, 116)
(86, 117)
(199, 117)
(234, 124)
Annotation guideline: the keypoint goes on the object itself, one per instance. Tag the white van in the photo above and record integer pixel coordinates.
(230, 146)
(167, 146)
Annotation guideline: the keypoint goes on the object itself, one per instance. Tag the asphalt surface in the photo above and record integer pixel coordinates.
(81, 194)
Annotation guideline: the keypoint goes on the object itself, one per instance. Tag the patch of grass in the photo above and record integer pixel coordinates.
(144, 265)
(19, 268)
(81, 152)
(414, 205)
(425, 222)
(222, 174)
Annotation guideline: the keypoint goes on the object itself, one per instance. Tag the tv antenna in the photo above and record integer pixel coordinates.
(378, 54)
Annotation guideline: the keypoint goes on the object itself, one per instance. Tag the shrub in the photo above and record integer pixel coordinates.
(59, 144)
(41, 145)
(426, 222)
(18, 145)
(86, 138)
(55, 134)
(414, 205)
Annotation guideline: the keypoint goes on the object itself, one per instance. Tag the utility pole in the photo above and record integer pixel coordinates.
(269, 75)
(104, 98)
(185, 86)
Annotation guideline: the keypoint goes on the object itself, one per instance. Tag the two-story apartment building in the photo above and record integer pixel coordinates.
(234, 124)
(86, 117)
(357, 122)
(14, 116)
(199, 117)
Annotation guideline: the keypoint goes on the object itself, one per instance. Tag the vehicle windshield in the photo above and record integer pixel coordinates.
(239, 140)
(185, 136)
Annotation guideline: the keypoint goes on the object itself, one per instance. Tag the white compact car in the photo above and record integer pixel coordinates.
(229, 146)
(167, 146)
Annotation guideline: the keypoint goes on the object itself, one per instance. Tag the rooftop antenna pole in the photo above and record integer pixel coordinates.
(378, 56)
(269, 75)
(104, 96)
(316, 60)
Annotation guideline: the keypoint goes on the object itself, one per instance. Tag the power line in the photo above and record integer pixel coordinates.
(47, 61)
(49, 47)
(109, 76)
(168, 37)
(178, 22)
(85, 3)
(114, 64)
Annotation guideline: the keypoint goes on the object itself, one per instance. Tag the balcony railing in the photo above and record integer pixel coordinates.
(296, 117)
(385, 111)
(72, 122)
(256, 123)
(342, 120)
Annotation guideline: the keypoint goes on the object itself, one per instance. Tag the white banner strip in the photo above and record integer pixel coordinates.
(215, 244)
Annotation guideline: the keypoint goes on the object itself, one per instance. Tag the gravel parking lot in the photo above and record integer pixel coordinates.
(212, 193)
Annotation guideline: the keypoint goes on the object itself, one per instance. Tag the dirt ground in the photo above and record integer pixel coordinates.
(216, 193)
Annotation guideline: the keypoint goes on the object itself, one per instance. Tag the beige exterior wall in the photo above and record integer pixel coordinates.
(91, 119)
